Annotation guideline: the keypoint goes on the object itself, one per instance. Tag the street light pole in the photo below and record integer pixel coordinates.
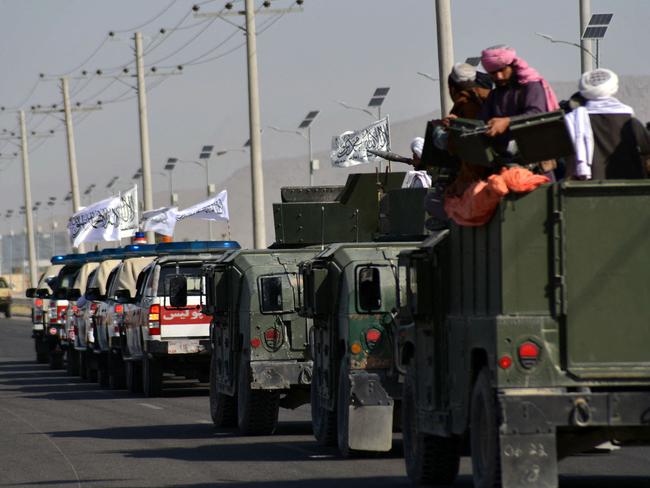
(29, 221)
(144, 131)
(257, 174)
(585, 44)
(445, 52)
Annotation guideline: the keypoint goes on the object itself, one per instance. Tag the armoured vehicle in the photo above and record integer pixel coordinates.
(159, 338)
(5, 297)
(349, 291)
(260, 355)
(525, 339)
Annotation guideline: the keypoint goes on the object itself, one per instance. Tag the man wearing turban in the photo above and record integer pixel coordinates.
(609, 142)
(520, 90)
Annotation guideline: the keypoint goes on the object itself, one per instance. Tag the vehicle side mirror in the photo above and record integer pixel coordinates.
(178, 291)
(42, 293)
(93, 294)
(123, 296)
(30, 292)
(74, 294)
(61, 294)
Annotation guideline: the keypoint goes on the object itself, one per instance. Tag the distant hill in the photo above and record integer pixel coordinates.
(294, 172)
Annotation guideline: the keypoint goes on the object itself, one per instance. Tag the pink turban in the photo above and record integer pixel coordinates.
(498, 57)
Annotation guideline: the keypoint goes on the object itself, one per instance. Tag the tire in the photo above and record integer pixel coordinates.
(223, 408)
(323, 420)
(42, 352)
(72, 361)
(56, 360)
(116, 377)
(343, 412)
(152, 377)
(484, 435)
(91, 373)
(83, 361)
(257, 410)
(133, 377)
(8, 312)
(429, 459)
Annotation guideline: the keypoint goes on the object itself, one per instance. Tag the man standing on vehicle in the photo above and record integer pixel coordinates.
(520, 90)
(609, 142)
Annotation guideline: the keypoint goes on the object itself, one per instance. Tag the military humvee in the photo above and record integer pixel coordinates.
(260, 355)
(349, 293)
(526, 338)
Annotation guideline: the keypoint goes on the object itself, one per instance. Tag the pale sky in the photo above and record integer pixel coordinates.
(333, 50)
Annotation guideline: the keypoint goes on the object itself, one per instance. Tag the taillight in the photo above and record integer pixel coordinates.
(373, 336)
(255, 342)
(273, 338)
(505, 362)
(154, 319)
(38, 302)
(528, 354)
(92, 309)
(119, 308)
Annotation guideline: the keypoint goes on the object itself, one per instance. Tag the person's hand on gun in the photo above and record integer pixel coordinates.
(497, 126)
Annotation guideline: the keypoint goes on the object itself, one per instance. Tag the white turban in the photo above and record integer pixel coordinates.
(463, 72)
(598, 83)
(417, 145)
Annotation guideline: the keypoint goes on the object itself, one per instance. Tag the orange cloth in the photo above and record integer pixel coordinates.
(477, 204)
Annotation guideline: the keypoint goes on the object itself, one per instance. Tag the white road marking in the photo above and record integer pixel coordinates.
(321, 456)
(204, 422)
(149, 405)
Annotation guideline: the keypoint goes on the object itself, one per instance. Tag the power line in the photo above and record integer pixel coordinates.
(157, 16)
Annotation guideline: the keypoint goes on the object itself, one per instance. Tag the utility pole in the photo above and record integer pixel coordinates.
(72, 153)
(144, 131)
(257, 176)
(29, 223)
(585, 44)
(445, 52)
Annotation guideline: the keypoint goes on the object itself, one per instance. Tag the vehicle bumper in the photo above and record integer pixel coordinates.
(171, 347)
(280, 375)
(530, 424)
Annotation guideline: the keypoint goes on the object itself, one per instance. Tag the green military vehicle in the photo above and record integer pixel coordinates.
(349, 293)
(260, 355)
(525, 340)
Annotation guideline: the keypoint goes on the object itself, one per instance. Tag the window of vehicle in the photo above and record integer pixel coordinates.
(3, 283)
(276, 292)
(91, 279)
(368, 289)
(140, 283)
(192, 271)
(67, 277)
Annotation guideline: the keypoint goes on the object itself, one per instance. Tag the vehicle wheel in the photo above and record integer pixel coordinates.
(133, 377)
(115, 372)
(223, 408)
(72, 362)
(91, 373)
(56, 360)
(8, 312)
(484, 436)
(42, 352)
(152, 377)
(429, 459)
(83, 361)
(343, 412)
(323, 420)
(257, 410)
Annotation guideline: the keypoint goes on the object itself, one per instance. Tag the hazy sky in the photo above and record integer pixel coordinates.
(333, 50)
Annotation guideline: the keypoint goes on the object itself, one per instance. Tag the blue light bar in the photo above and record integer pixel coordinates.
(195, 247)
(93, 256)
(113, 253)
(140, 250)
(57, 259)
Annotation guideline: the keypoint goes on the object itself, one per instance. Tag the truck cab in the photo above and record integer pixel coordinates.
(39, 304)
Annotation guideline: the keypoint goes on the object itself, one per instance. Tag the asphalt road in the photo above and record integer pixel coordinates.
(57, 431)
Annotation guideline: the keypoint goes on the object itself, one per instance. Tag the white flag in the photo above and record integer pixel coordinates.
(128, 212)
(215, 208)
(162, 220)
(98, 222)
(351, 148)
